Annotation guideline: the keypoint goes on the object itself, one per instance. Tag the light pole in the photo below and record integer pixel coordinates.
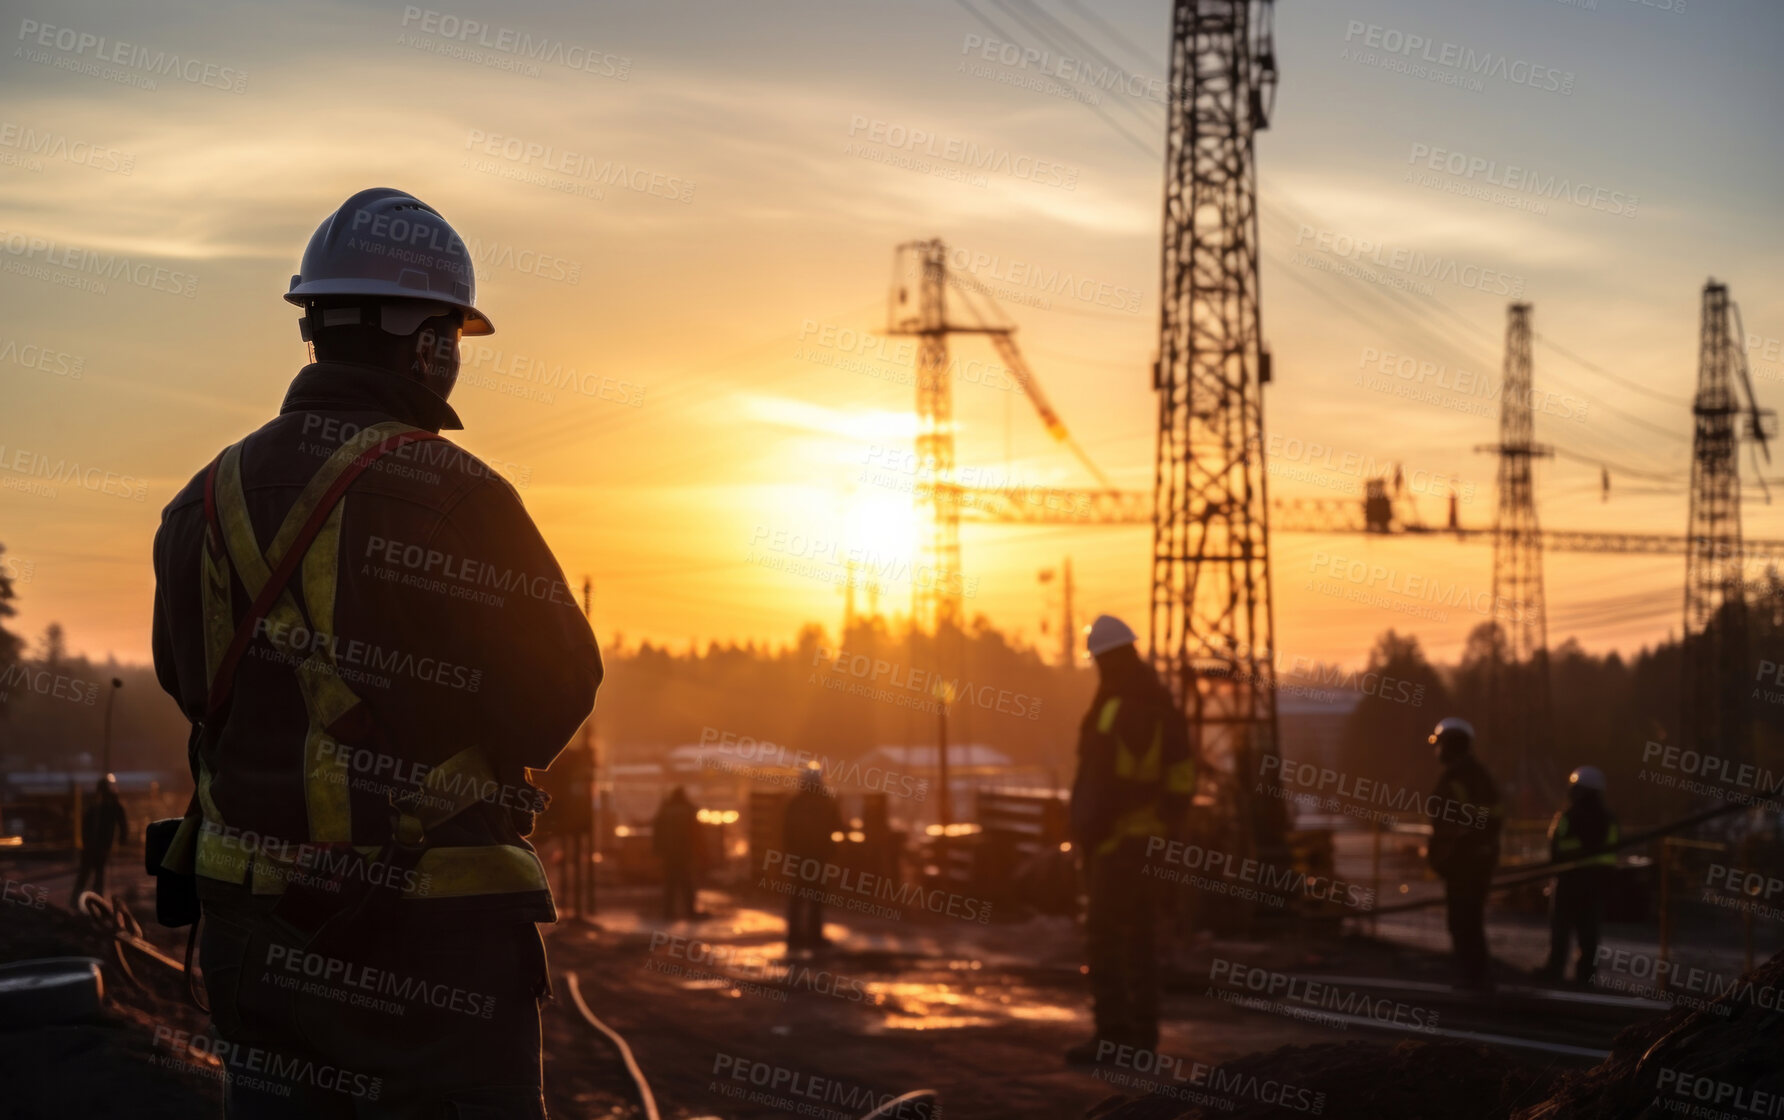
(105, 766)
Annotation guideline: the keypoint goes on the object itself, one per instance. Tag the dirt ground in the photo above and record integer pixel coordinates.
(726, 1024)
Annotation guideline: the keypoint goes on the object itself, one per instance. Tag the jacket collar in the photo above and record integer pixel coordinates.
(347, 387)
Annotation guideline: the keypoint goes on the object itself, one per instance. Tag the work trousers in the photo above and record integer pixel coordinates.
(410, 1020)
(1121, 931)
(1465, 884)
(1575, 912)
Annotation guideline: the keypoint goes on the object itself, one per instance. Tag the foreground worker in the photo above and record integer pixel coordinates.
(672, 837)
(102, 822)
(808, 832)
(1466, 816)
(1135, 780)
(1584, 832)
(374, 644)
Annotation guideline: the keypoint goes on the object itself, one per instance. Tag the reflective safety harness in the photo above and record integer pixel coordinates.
(310, 536)
(1142, 769)
(1568, 847)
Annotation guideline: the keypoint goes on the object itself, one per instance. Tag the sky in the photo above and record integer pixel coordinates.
(687, 216)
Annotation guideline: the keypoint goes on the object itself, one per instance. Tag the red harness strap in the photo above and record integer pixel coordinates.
(281, 575)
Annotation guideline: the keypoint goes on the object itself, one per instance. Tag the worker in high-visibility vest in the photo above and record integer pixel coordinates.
(1585, 833)
(374, 644)
(1135, 781)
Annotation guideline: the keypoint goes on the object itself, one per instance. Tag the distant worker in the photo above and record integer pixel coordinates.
(1466, 816)
(808, 832)
(1585, 830)
(374, 644)
(672, 836)
(1135, 780)
(102, 823)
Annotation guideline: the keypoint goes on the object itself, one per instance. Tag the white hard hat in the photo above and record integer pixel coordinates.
(388, 243)
(1452, 724)
(1106, 633)
(1586, 777)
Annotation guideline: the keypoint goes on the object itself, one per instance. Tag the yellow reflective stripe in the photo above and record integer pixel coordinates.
(219, 610)
(238, 530)
(1181, 777)
(312, 493)
(449, 789)
(1106, 719)
(326, 697)
(441, 873)
(1143, 821)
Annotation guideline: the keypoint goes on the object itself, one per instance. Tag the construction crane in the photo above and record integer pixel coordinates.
(919, 307)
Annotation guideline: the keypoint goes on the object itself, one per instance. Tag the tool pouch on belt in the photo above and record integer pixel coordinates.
(176, 892)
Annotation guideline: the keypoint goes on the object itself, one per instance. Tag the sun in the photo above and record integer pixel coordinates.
(880, 527)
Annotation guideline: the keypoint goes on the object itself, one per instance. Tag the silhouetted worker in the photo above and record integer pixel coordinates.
(1135, 780)
(808, 832)
(373, 643)
(1466, 816)
(672, 837)
(102, 823)
(1585, 830)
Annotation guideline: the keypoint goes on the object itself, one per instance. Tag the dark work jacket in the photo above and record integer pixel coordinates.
(1589, 824)
(453, 616)
(810, 822)
(1099, 797)
(1466, 816)
(102, 821)
(672, 833)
